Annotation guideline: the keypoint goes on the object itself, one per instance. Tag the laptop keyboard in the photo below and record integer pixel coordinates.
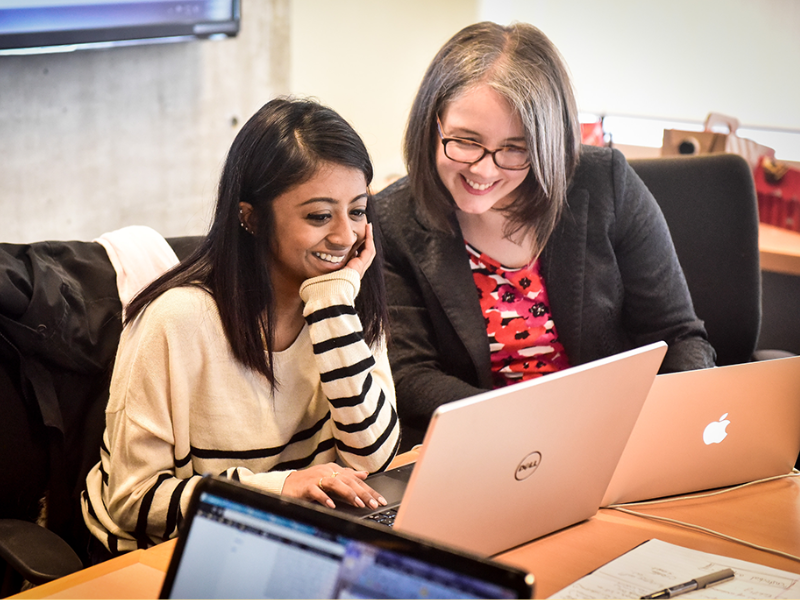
(384, 517)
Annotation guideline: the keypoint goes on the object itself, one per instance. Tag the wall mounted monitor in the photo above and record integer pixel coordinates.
(41, 26)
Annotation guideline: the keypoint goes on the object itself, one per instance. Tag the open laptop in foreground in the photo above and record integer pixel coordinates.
(507, 466)
(239, 543)
(712, 428)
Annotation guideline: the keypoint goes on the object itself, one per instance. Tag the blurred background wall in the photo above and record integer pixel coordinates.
(98, 139)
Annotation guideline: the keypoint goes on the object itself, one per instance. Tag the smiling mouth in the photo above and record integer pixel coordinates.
(478, 186)
(329, 257)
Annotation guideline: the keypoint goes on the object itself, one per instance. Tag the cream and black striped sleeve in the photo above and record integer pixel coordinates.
(356, 379)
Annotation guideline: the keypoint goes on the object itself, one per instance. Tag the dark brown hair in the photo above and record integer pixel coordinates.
(282, 146)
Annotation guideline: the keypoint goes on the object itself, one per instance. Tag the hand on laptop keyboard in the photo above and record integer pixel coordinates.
(319, 482)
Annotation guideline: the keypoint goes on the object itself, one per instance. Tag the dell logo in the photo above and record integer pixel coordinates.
(528, 465)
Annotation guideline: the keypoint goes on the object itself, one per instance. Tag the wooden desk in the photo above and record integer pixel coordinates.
(137, 574)
(767, 514)
(779, 249)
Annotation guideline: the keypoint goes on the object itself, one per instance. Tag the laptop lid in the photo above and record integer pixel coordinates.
(237, 542)
(712, 428)
(507, 466)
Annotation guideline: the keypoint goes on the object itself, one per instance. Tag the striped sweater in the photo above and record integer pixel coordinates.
(181, 406)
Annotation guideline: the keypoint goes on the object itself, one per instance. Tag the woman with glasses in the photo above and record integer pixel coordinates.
(512, 251)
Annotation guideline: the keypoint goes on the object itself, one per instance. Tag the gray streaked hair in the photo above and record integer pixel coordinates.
(523, 66)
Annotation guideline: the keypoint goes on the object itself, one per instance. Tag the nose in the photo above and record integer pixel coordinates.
(342, 233)
(485, 167)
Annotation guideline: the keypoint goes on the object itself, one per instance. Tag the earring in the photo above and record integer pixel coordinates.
(243, 224)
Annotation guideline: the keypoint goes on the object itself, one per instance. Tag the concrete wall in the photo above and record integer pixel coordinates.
(98, 139)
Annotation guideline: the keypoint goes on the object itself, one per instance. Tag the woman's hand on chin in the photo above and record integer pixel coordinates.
(364, 256)
(320, 482)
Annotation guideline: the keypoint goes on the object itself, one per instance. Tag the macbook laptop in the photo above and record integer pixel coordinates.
(712, 428)
(507, 466)
(236, 542)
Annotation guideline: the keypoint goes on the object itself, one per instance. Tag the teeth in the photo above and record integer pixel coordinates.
(478, 186)
(329, 257)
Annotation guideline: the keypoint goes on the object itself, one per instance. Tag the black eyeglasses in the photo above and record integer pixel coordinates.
(469, 152)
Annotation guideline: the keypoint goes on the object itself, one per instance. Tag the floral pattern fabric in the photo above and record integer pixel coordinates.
(522, 336)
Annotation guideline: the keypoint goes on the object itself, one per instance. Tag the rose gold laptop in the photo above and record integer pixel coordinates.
(712, 428)
(507, 466)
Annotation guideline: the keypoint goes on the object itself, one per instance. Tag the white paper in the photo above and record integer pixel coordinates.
(656, 565)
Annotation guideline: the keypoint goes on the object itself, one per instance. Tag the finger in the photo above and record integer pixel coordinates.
(344, 488)
(368, 252)
(372, 495)
(357, 493)
(317, 493)
(339, 481)
(363, 257)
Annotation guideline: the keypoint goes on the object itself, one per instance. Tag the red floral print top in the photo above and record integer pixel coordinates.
(522, 336)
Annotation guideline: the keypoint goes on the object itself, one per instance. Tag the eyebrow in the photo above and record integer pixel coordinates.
(471, 133)
(325, 200)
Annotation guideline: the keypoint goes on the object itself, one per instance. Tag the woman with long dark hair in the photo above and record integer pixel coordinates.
(262, 356)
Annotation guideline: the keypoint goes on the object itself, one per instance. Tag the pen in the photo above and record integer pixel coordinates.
(698, 583)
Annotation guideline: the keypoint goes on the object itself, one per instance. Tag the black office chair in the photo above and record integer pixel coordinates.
(59, 330)
(709, 202)
(780, 318)
(711, 208)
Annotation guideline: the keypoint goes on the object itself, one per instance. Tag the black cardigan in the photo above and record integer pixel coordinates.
(610, 269)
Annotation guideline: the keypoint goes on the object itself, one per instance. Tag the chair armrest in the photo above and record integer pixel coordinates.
(35, 552)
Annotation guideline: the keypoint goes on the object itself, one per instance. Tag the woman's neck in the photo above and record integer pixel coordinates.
(289, 323)
(486, 233)
(289, 319)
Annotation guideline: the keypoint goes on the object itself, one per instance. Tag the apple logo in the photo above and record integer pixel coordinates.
(715, 432)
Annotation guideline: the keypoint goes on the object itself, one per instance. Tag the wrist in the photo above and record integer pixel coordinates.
(344, 284)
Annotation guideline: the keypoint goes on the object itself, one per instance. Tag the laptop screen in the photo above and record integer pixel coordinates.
(235, 549)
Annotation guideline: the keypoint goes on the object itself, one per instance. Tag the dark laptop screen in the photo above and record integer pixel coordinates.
(235, 550)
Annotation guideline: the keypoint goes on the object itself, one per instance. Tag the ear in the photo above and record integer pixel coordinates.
(247, 217)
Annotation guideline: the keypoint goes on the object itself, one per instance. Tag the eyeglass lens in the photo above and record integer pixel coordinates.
(471, 152)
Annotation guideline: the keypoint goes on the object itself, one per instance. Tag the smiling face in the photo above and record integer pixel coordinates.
(484, 116)
(319, 225)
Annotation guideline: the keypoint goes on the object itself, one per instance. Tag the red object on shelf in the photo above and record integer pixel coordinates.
(778, 191)
(592, 134)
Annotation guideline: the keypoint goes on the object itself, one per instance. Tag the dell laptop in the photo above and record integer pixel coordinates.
(510, 465)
